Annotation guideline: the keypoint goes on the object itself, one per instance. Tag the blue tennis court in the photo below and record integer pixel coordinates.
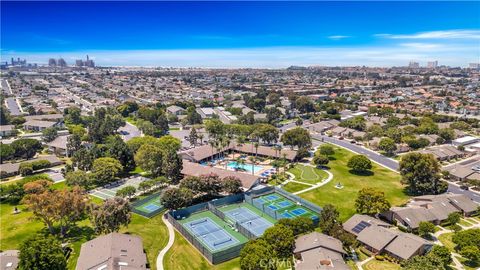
(273, 207)
(284, 204)
(298, 211)
(272, 197)
(152, 207)
(286, 215)
(211, 234)
(249, 220)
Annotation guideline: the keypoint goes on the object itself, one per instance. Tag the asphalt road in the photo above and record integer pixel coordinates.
(13, 107)
(6, 88)
(387, 162)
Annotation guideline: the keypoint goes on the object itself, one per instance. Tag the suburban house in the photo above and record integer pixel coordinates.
(465, 140)
(461, 202)
(176, 110)
(319, 251)
(39, 125)
(7, 130)
(444, 152)
(114, 251)
(379, 238)
(430, 208)
(41, 122)
(9, 259)
(322, 126)
(58, 146)
(206, 112)
(468, 169)
(9, 169)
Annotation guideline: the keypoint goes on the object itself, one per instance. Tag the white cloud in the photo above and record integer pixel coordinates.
(446, 34)
(338, 37)
(422, 46)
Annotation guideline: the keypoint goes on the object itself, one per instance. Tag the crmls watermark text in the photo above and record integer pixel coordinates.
(274, 263)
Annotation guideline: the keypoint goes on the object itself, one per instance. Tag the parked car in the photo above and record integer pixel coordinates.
(464, 187)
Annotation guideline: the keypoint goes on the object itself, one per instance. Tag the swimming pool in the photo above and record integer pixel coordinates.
(244, 167)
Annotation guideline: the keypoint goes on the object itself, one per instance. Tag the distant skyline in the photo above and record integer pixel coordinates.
(242, 34)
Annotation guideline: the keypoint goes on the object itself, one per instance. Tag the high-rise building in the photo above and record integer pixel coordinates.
(61, 62)
(86, 63)
(433, 64)
(413, 64)
(474, 65)
(52, 62)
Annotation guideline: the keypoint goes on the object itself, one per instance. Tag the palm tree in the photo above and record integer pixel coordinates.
(200, 137)
(240, 163)
(213, 145)
(284, 164)
(240, 140)
(254, 161)
(256, 148)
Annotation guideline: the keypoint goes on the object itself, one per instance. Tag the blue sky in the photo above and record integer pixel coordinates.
(243, 34)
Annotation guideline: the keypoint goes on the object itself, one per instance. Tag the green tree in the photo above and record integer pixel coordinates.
(118, 149)
(327, 150)
(193, 117)
(320, 160)
(299, 225)
(79, 178)
(42, 253)
(472, 253)
(421, 174)
(6, 152)
(388, 145)
(73, 116)
(150, 158)
(425, 228)
(328, 219)
(298, 137)
(26, 148)
(470, 237)
(423, 263)
(175, 198)
(281, 239)
(231, 185)
(256, 255)
(371, 201)
(453, 218)
(447, 134)
(443, 253)
(126, 192)
(304, 104)
(106, 169)
(49, 134)
(74, 142)
(359, 164)
(110, 216)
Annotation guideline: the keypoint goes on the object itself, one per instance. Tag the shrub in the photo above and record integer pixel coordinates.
(41, 164)
(25, 169)
(379, 257)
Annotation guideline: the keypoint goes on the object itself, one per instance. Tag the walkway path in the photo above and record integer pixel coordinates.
(329, 178)
(171, 239)
(361, 263)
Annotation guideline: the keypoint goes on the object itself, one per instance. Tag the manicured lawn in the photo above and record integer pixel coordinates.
(446, 240)
(465, 223)
(344, 199)
(153, 232)
(184, 256)
(380, 265)
(308, 174)
(294, 187)
(16, 228)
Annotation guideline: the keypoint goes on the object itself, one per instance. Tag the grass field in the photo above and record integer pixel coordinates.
(446, 240)
(308, 174)
(380, 265)
(184, 256)
(16, 228)
(344, 199)
(294, 187)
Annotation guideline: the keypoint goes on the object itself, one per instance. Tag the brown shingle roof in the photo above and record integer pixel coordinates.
(115, 251)
(195, 169)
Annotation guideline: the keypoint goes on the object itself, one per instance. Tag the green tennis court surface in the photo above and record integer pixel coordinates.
(283, 207)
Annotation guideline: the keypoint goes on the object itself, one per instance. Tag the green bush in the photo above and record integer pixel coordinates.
(365, 251)
(25, 169)
(41, 164)
(379, 257)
